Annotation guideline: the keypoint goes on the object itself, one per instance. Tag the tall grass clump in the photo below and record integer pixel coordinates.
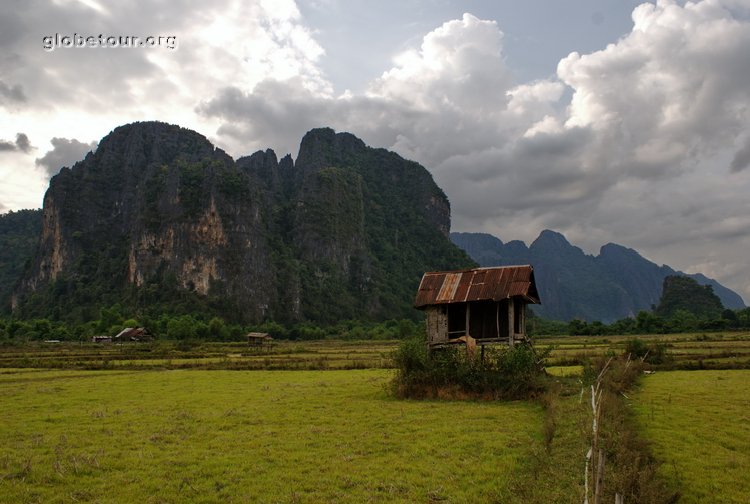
(655, 352)
(630, 469)
(453, 372)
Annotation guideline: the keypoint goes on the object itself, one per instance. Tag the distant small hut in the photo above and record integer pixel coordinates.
(259, 339)
(101, 339)
(478, 306)
(134, 334)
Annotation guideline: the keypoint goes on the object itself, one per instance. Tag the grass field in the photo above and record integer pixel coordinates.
(289, 355)
(258, 436)
(313, 422)
(687, 351)
(699, 424)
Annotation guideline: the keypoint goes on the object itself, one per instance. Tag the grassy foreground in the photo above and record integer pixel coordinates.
(212, 422)
(258, 436)
(699, 424)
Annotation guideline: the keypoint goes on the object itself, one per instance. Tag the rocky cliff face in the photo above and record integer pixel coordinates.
(154, 203)
(159, 216)
(617, 283)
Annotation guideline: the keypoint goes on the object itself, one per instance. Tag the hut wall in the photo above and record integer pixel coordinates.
(437, 324)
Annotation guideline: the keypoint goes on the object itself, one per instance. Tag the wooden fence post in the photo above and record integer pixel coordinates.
(599, 482)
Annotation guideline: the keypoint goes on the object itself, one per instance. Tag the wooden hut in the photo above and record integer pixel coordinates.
(134, 334)
(259, 339)
(477, 306)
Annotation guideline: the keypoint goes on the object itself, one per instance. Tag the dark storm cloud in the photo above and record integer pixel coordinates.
(21, 144)
(65, 152)
(741, 159)
(277, 123)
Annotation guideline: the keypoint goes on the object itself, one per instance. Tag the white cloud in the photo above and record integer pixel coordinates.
(670, 90)
(458, 66)
(450, 96)
(638, 155)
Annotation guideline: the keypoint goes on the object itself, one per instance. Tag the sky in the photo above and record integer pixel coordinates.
(606, 120)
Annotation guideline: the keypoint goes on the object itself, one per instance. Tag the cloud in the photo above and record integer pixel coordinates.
(596, 151)
(454, 94)
(667, 94)
(630, 143)
(240, 43)
(65, 152)
(85, 92)
(21, 144)
(741, 159)
(257, 120)
(11, 94)
(458, 66)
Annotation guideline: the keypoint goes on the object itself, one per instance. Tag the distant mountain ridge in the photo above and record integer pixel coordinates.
(615, 284)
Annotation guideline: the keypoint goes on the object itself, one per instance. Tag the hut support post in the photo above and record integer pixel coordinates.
(497, 319)
(511, 336)
(468, 312)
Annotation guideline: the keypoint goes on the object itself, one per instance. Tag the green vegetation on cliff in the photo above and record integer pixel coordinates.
(682, 293)
(19, 233)
(158, 220)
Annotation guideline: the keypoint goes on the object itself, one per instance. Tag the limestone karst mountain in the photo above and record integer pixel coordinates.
(159, 217)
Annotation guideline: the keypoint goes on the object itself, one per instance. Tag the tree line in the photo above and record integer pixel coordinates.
(685, 306)
(198, 326)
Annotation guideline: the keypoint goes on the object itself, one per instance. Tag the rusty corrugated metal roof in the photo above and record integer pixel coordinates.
(479, 284)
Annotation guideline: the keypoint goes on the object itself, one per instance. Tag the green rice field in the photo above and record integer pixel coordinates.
(699, 425)
(689, 350)
(255, 436)
(314, 421)
(686, 351)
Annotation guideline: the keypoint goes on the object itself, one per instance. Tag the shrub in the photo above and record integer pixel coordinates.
(653, 353)
(508, 373)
